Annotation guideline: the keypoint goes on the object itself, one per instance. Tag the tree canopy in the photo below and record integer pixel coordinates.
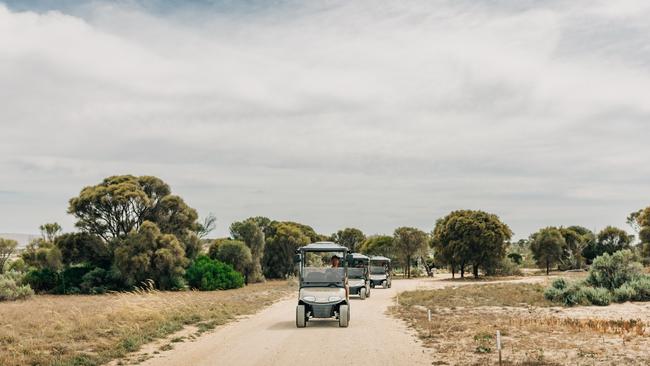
(409, 243)
(7, 248)
(350, 238)
(468, 237)
(121, 204)
(547, 246)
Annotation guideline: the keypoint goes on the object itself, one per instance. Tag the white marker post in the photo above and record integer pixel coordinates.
(499, 345)
(429, 316)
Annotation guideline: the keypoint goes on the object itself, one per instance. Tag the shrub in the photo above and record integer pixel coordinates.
(641, 286)
(505, 267)
(559, 283)
(595, 295)
(516, 258)
(12, 287)
(553, 294)
(624, 293)
(42, 280)
(234, 253)
(208, 274)
(612, 271)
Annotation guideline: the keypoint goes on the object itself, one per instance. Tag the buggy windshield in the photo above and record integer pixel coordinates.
(377, 270)
(356, 272)
(320, 268)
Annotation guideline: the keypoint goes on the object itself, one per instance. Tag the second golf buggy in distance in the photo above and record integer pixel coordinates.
(359, 276)
(323, 278)
(380, 272)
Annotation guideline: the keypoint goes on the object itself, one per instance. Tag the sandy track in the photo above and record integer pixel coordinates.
(270, 337)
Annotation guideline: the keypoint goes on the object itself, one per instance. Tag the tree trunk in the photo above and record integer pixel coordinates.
(453, 271)
(475, 270)
(408, 266)
(548, 267)
(462, 271)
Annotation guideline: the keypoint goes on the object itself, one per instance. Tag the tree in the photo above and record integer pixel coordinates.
(121, 204)
(609, 240)
(575, 244)
(207, 226)
(50, 231)
(350, 238)
(7, 248)
(409, 243)
(633, 220)
(468, 237)
(281, 247)
(251, 233)
(378, 245)
(84, 248)
(547, 246)
(236, 254)
(148, 254)
(43, 254)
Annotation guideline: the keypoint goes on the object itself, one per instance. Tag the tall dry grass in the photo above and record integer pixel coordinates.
(91, 330)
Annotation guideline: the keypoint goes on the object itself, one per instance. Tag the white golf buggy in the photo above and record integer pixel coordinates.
(380, 272)
(323, 276)
(358, 276)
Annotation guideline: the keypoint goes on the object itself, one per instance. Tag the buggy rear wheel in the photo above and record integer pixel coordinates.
(362, 293)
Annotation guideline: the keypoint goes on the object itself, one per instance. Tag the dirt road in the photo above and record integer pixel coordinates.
(271, 338)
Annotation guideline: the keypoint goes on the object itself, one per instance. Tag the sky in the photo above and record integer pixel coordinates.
(369, 114)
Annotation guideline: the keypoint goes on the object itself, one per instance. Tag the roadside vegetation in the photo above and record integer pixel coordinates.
(91, 330)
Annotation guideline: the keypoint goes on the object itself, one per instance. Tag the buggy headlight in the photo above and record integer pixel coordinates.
(309, 298)
(334, 298)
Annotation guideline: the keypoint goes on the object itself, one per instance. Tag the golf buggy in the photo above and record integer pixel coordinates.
(380, 272)
(323, 277)
(358, 276)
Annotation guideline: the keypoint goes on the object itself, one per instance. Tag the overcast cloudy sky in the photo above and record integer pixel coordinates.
(372, 114)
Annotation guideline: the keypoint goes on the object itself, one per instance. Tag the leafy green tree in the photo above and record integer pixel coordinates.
(43, 254)
(207, 274)
(281, 246)
(468, 237)
(350, 238)
(609, 240)
(120, 204)
(50, 231)
(7, 248)
(547, 246)
(236, 254)
(251, 233)
(378, 245)
(85, 249)
(409, 244)
(148, 254)
(575, 245)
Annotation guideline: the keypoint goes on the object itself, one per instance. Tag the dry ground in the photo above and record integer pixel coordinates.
(465, 318)
(90, 330)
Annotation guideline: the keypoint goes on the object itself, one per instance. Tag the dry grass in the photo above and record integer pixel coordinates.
(91, 330)
(465, 321)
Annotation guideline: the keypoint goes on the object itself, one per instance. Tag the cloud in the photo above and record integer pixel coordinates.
(368, 114)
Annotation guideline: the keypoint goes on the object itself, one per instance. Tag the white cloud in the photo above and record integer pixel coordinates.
(336, 113)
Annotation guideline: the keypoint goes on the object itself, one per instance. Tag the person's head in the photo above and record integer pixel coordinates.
(335, 261)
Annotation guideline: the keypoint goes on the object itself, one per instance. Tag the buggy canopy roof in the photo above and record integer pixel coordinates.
(361, 257)
(379, 258)
(323, 246)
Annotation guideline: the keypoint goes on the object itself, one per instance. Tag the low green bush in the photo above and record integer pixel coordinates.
(612, 271)
(641, 286)
(208, 274)
(595, 295)
(12, 287)
(624, 293)
(559, 283)
(42, 280)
